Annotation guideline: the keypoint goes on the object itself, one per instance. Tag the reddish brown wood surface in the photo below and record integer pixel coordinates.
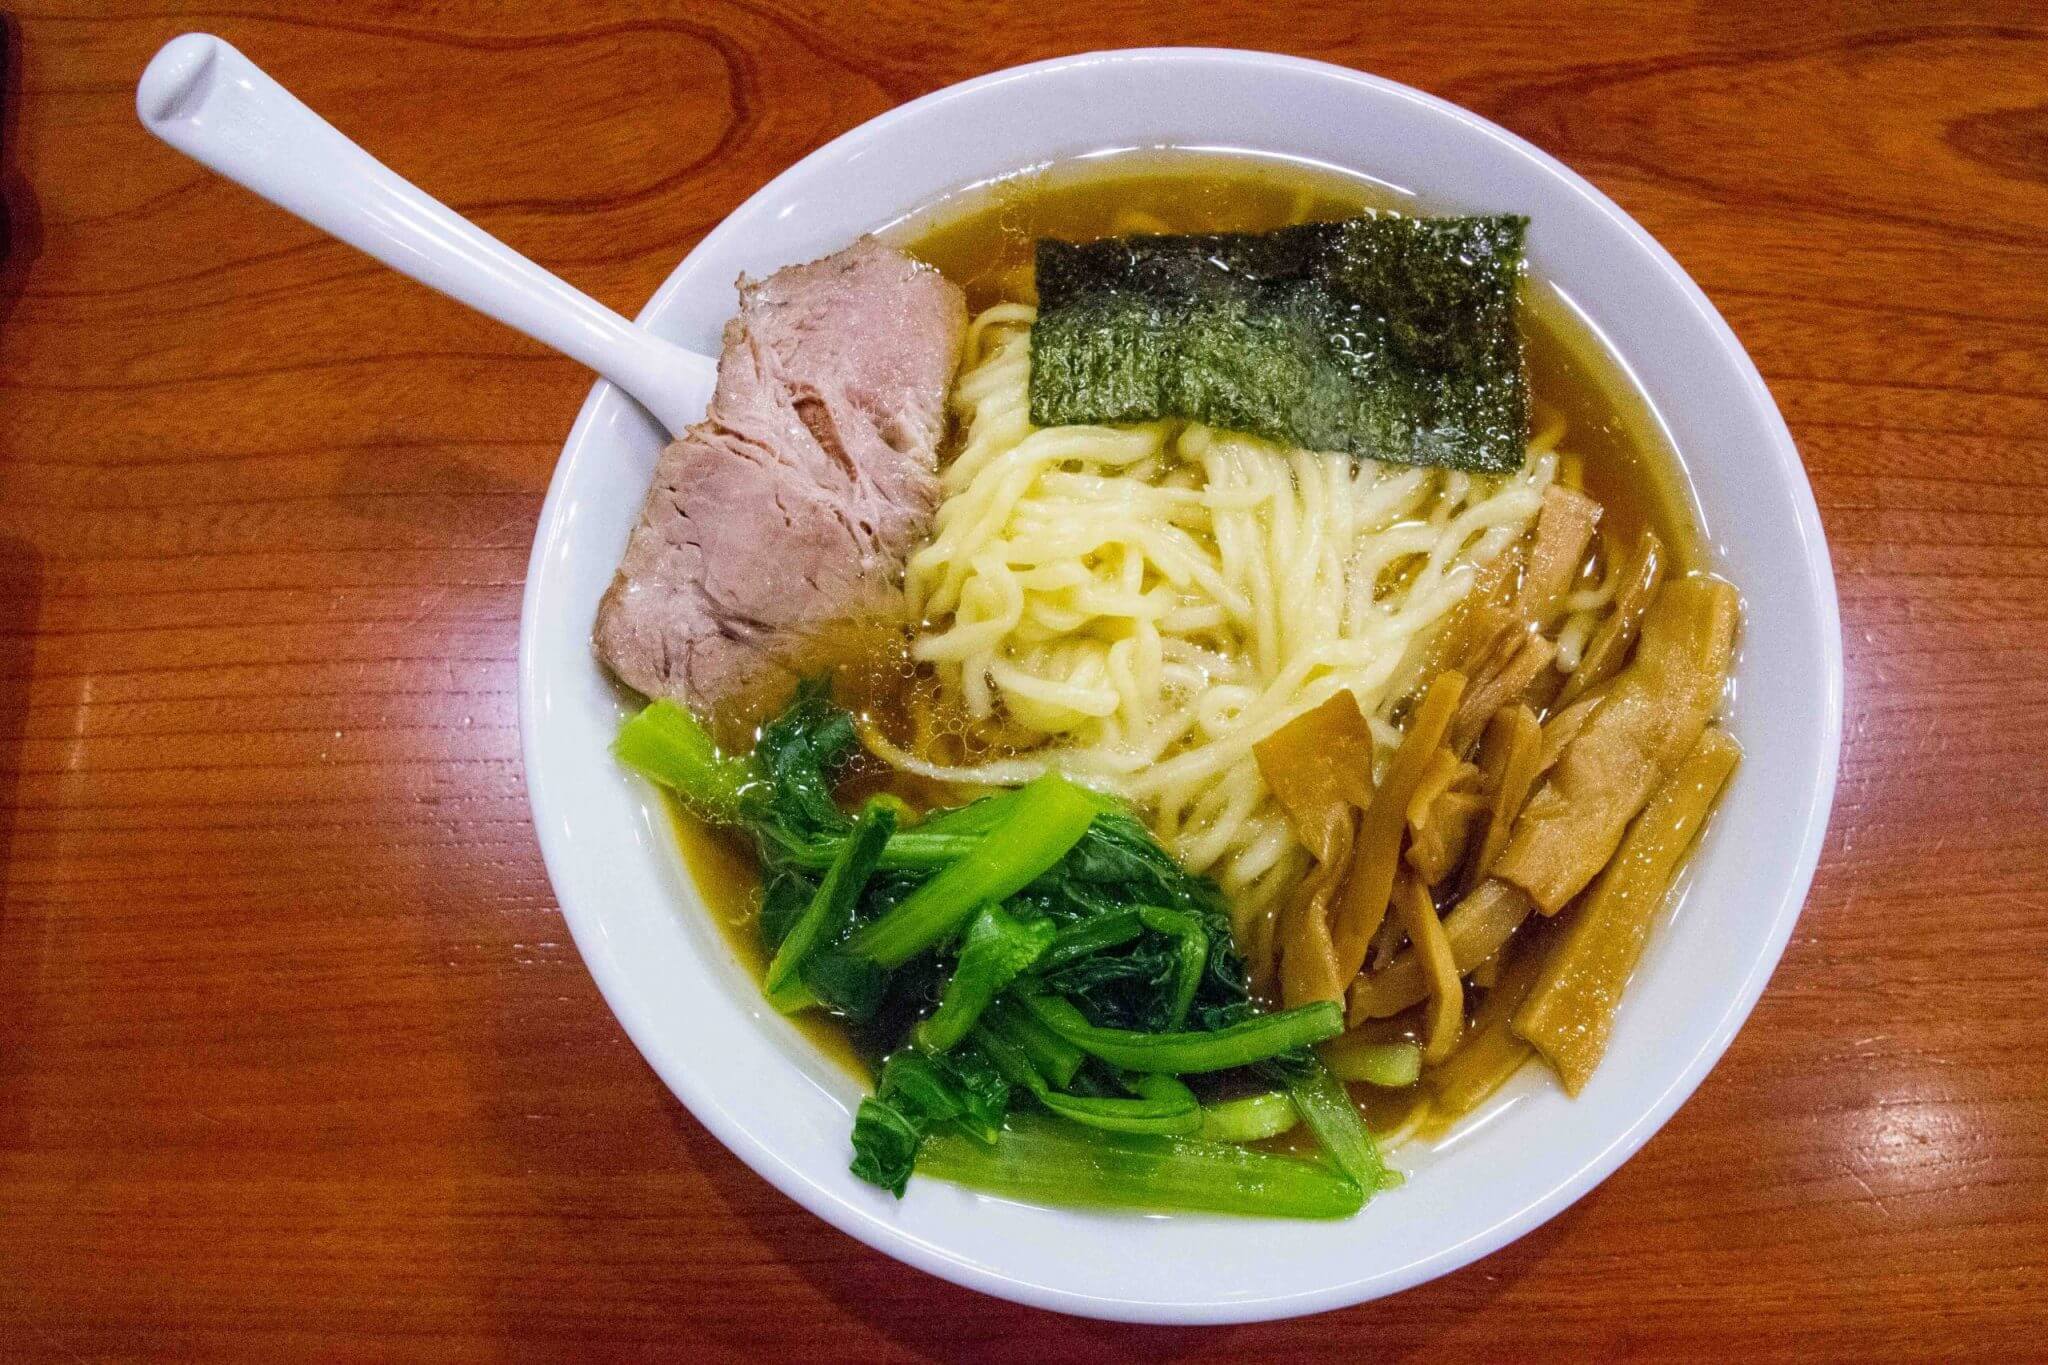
(295, 1055)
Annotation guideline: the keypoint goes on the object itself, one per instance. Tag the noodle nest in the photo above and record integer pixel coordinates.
(1138, 606)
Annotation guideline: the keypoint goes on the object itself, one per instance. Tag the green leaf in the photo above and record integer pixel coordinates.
(996, 947)
(667, 744)
(1161, 1104)
(915, 1095)
(885, 1144)
(984, 1093)
(1192, 955)
(912, 1079)
(1125, 980)
(845, 984)
(784, 896)
(1007, 1056)
(1049, 1055)
(831, 906)
(1327, 1109)
(1087, 937)
(799, 756)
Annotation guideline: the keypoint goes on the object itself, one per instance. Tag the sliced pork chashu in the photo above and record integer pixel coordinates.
(785, 516)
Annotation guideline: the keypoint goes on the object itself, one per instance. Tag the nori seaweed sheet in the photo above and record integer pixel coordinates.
(1390, 337)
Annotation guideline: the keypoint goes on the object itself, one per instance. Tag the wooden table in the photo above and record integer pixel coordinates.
(296, 1058)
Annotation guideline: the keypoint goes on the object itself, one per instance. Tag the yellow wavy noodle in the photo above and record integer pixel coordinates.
(1145, 603)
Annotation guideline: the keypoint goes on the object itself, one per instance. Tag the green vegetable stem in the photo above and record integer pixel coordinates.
(1062, 1163)
(1049, 817)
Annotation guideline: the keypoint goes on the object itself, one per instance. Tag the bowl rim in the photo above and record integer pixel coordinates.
(622, 999)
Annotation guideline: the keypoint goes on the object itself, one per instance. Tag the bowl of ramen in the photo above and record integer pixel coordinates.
(1231, 704)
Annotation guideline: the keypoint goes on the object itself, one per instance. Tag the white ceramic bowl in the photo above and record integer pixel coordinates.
(753, 1080)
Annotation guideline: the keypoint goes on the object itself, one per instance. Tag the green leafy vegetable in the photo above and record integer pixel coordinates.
(785, 896)
(1007, 1055)
(1049, 817)
(915, 1095)
(1062, 1163)
(996, 947)
(1249, 1118)
(667, 743)
(1253, 1040)
(1334, 1119)
(984, 1094)
(1192, 955)
(885, 1144)
(844, 983)
(1048, 1054)
(1038, 941)
(1087, 937)
(917, 1080)
(1162, 1105)
(1391, 337)
(1389, 1065)
(976, 817)
(1151, 1104)
(782, 794)
(831, 906)
(799, 756)
(1122, 977)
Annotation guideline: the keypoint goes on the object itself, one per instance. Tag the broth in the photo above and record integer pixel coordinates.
(729, 880)
(983, 240)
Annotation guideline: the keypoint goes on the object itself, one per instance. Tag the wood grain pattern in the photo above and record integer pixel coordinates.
(295, 1055)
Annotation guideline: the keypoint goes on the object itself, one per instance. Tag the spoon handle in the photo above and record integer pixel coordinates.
(215, 105)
